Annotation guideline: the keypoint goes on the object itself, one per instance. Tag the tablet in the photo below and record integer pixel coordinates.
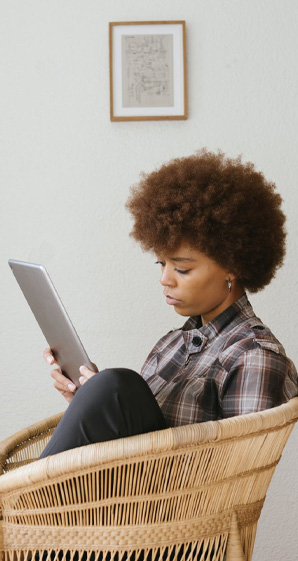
(52, 318)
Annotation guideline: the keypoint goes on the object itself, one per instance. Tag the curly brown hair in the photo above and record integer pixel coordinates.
(219, 206)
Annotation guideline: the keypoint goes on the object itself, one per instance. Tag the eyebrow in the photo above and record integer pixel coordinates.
(186, 259)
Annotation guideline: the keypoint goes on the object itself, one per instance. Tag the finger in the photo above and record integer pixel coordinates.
(86, 372)
(61, 388)
(62, 383)
(68, 396)
(49, 357)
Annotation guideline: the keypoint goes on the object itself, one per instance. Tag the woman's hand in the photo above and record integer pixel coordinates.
(86, 374)
(64, 385)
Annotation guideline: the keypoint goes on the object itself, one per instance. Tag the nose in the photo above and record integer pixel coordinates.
(167, 278)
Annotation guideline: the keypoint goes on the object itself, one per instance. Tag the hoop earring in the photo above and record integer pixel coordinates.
(229, 285)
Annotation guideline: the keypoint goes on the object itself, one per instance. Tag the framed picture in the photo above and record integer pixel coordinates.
(147, 70)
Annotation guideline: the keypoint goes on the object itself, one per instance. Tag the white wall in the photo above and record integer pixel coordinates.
(66, 170)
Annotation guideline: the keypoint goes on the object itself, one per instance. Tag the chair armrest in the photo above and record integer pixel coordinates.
(26, 445)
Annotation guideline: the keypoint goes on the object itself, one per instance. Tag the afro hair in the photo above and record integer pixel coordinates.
(219, 206)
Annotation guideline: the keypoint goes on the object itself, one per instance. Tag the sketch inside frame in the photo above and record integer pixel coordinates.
(147, 70)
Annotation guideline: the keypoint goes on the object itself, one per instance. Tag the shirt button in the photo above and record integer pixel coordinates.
(196, 341)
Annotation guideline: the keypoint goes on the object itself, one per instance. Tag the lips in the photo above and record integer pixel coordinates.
(171, 301)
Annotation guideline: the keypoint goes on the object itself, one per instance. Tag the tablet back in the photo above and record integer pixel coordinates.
(52, 317)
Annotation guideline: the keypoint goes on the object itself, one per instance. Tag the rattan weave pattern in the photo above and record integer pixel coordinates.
(193, 492)
(143, 535)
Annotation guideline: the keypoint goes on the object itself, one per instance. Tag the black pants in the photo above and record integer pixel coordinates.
(114, 403)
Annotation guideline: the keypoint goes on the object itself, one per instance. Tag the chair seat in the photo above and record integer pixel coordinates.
(191, 492)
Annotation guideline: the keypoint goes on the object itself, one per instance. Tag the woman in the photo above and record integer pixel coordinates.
(217, 229)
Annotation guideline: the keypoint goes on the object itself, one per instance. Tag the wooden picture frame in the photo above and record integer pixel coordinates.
(147, 70)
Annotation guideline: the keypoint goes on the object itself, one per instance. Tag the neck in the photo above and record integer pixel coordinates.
(237, 292)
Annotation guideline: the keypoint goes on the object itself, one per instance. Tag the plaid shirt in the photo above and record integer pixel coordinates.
(231, 366)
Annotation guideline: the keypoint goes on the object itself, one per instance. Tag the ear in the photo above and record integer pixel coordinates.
(231, 276)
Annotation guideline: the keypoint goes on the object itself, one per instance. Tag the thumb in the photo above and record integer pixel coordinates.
(86, 372)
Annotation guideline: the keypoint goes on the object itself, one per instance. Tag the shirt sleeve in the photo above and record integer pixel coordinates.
(255, 382)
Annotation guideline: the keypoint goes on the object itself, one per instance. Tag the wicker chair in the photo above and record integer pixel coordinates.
(193, 492)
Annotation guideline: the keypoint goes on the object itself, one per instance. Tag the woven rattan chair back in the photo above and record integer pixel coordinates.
(189, 493)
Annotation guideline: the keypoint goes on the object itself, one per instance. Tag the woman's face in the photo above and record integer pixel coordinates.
(195, 285)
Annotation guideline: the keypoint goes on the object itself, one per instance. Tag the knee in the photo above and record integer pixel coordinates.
(113, 403)
(120, 379)
(106, 383)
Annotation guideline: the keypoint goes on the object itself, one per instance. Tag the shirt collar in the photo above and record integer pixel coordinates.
(228, 319)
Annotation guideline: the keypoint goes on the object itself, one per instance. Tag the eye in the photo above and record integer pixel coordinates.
(182, 272)
(160, 263)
